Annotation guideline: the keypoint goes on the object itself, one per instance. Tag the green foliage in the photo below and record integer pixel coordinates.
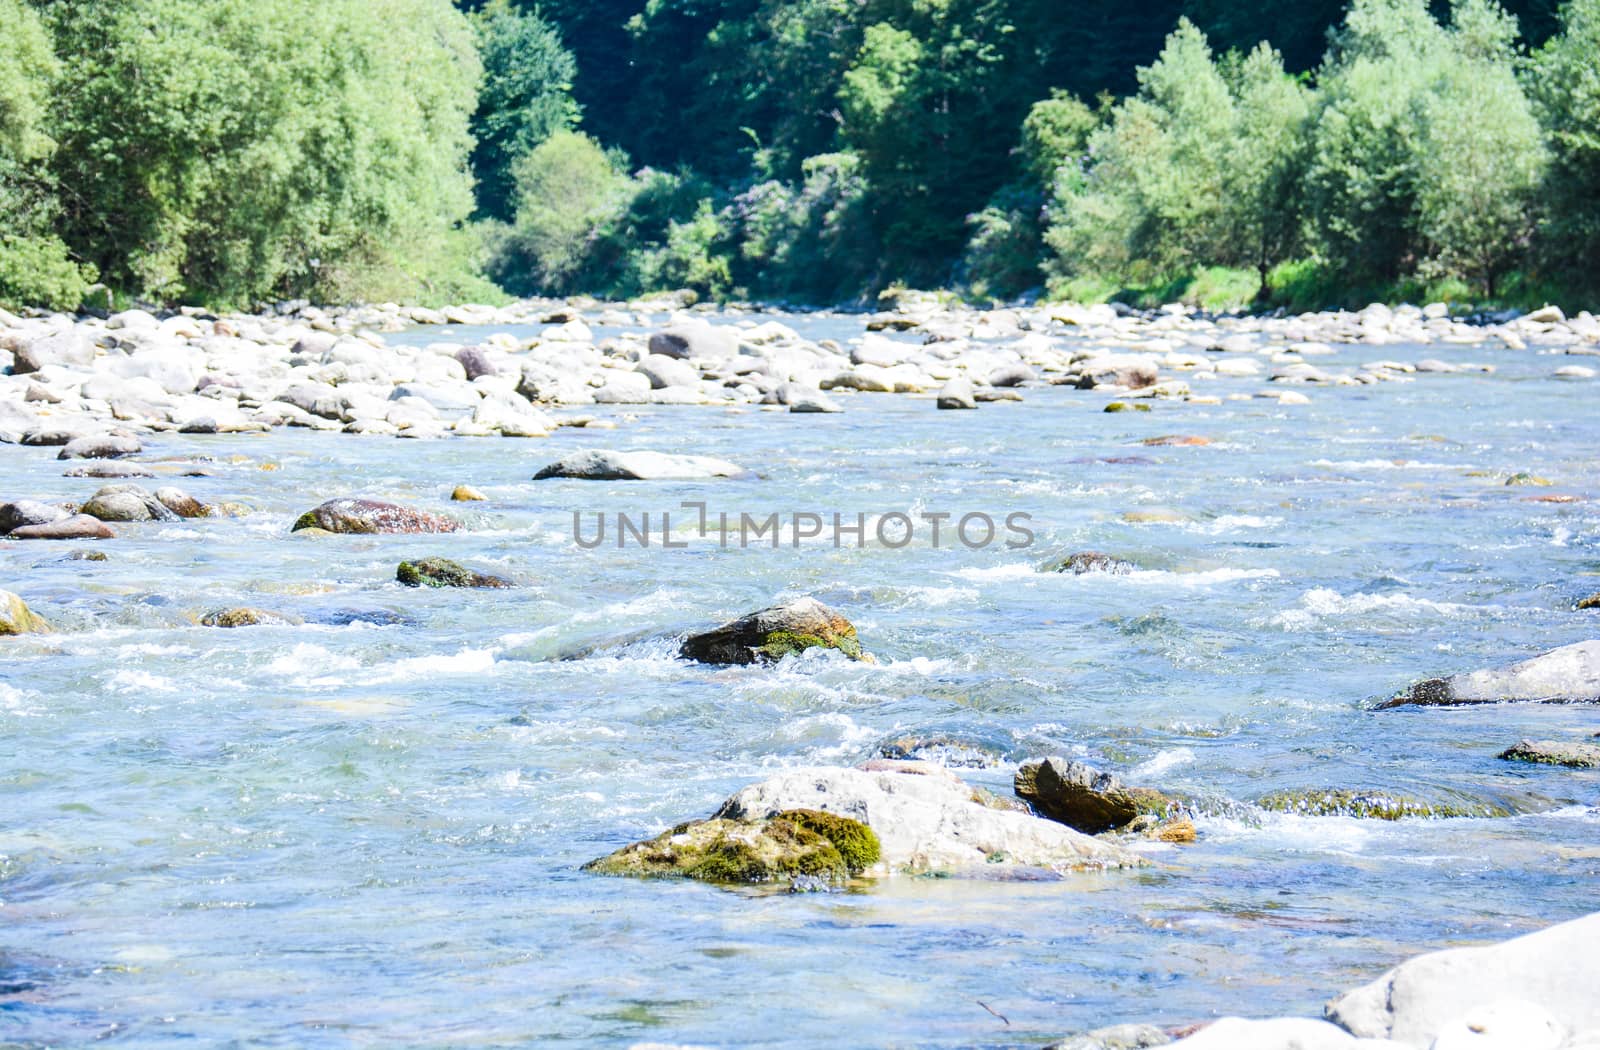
(1266, 164)
(1155, 200)
(36, 267)
(226, 150)
(812, 243)
(525, 98)
(566, 188)
(1565, 84)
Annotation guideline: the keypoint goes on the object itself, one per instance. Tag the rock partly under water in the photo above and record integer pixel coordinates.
(606, 465)
(369, 517)
(928, 821)
(1555, 753)
(1570, 674)
(1084, 798)
(442, 572)
(771, 634)
(1371, 805)
(17, 618)
(786, 845)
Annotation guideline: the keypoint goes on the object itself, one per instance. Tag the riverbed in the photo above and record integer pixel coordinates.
(366, 830)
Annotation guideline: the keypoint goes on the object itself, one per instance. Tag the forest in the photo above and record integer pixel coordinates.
(232, 153)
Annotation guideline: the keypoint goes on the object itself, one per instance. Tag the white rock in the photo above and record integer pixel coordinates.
(1556, 969)
(928, 821)
(1284, 1033)
(1508, 1024)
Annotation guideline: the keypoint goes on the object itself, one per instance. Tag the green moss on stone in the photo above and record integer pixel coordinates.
(781, 643)
(308, 520)
(1370, 805)
(442, 572)
(857, 843)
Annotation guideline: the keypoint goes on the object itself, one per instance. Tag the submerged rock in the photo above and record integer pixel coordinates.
(17, 618)
(467, 494)
(1092, 561)
(1591, 602)
(371, 517)
(606, 465)
(1555, 753)
(101, 446)
(1370, 805)
(771, 634)
(927, 820)
(941, 751)
(109, 470)
(1083, 798)
(1555, 969)
(247, 617)
(77, 527)
(1570, 674)
(442, 572)
(799, 842)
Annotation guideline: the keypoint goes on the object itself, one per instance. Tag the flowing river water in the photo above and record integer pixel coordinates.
(367, 830)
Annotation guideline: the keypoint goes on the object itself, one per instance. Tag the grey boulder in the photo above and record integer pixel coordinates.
(608, 465)
(1570, 674)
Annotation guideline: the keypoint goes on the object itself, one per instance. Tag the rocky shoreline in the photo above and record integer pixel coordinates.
(110, 380)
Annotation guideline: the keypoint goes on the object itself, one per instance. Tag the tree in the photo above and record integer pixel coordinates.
(36, 268)
(566, 187)
(1565, 83)
(1267, 163)
(525, 98)
(1482, 153)
(228, 150)
(1154, 199)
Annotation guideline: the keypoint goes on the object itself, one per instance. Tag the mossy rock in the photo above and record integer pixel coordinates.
(1083, 562)
(442, 572)
(791, 844)
(1591, 602)
(1370, 805)
(16, 618)
(1555, 753)
(1124, 406)
(1524, 478)
(247, 617)
(769, 635)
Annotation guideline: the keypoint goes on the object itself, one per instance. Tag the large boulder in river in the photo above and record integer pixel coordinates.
(927, 820)
(17, 618)
(695, 339)
(70, 349)
(369, 517)
(607, 465)
(1280, 1033)
(1556, 970)
(1570, 674)
(1083, 798)
(957, 394)
(127, 503)
(771, 634)
(77, 527)
(25, 512)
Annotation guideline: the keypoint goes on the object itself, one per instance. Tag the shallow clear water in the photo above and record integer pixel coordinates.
(367, 830)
